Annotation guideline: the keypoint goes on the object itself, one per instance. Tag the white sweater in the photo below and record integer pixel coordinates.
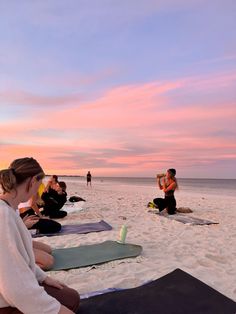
(19, 275)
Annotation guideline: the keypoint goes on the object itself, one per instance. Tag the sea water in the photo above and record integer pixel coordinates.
(225, 187)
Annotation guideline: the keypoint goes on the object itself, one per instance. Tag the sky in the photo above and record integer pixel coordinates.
(120, 88)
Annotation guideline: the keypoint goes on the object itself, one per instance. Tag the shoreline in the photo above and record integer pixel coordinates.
(206, 252)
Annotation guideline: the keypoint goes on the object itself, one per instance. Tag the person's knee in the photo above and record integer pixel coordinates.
(49, 262)
(43, 259)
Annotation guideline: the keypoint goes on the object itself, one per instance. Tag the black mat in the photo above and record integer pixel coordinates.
(175, 293)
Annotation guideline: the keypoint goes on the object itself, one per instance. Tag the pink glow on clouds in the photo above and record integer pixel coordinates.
(129, 130)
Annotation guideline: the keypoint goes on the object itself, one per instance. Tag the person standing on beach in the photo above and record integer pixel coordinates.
(168, 183)
(89, 179)
(24, 287)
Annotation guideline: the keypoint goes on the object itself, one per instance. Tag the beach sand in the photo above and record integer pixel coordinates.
(206, 252)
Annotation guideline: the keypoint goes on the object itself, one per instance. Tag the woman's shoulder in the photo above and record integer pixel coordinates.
(7, 215)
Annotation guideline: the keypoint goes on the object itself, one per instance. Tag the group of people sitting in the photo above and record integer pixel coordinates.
(24, 286)
(37, 213)
(46, 204)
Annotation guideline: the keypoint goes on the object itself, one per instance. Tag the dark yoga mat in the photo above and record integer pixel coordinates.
(185, 219)
(88, 255)
(78, 229)
(176, 293)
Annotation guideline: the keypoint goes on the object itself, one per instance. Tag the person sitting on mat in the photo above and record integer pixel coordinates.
(168, 185)
(42, 225)
(24, 287)
(54, 201)
(52, 183)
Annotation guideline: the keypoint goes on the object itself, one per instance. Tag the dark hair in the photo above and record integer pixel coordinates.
(172, 171)
(55, 177)
(62, 185)
(18, 171)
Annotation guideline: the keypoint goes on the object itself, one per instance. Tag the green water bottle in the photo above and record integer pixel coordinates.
(123, 233)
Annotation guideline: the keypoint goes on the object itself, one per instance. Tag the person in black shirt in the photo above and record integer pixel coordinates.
(54, 201)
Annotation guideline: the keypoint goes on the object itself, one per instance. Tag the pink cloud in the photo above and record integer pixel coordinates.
(130, 129)
(25, 98)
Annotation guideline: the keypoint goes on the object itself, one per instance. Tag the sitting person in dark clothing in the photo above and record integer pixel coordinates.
(54, 199)
(42, 225)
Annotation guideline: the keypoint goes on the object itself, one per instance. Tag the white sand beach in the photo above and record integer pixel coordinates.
(206, 252)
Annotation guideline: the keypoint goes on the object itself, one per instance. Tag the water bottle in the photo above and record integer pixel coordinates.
(161, 175)
(123, 233)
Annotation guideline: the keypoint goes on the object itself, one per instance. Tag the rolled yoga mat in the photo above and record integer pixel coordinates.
(175, 293)
(94, 254)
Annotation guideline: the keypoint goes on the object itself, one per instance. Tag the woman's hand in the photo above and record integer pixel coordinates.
(65, 310)
(31, 220)
(53, 283)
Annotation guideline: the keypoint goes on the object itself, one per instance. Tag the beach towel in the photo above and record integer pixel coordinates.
(175, 293)
(73, 207)
(78, 229)
(88, 255)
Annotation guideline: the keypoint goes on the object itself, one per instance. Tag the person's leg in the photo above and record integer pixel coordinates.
(47, 226)
(43, 259)
(171, 205)
(10, 310)
(160, 203)
(42, 246)
(28, 212)
(66, 296)
(58, 214)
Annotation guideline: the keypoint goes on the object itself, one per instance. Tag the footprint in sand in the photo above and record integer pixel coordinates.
(218, 259)
(105, 209)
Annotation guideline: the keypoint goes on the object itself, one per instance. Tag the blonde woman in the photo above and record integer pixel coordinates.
(24, 287)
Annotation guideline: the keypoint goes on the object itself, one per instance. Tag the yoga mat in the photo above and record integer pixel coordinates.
(88, 255)
(190, 220)
(175, 293)
(184, 218)
(78, 229)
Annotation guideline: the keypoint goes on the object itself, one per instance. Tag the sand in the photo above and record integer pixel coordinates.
(206, 252)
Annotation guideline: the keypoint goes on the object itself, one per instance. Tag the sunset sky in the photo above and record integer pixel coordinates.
(120, 88)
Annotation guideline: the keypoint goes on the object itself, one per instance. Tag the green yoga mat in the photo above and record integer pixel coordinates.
(88, 255)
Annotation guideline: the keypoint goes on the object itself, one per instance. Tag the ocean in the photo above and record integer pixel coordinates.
(225, 187)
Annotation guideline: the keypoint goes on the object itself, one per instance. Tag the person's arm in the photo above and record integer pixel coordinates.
(29, 221)
(65, 310)
(159, 183)
(35, 207)
(172, 186)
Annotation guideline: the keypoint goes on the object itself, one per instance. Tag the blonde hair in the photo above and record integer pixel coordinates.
(18, 171)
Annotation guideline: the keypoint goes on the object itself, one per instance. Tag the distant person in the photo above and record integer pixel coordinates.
(89, 179)
(24, 287)
(54, 200)
(168, 183)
